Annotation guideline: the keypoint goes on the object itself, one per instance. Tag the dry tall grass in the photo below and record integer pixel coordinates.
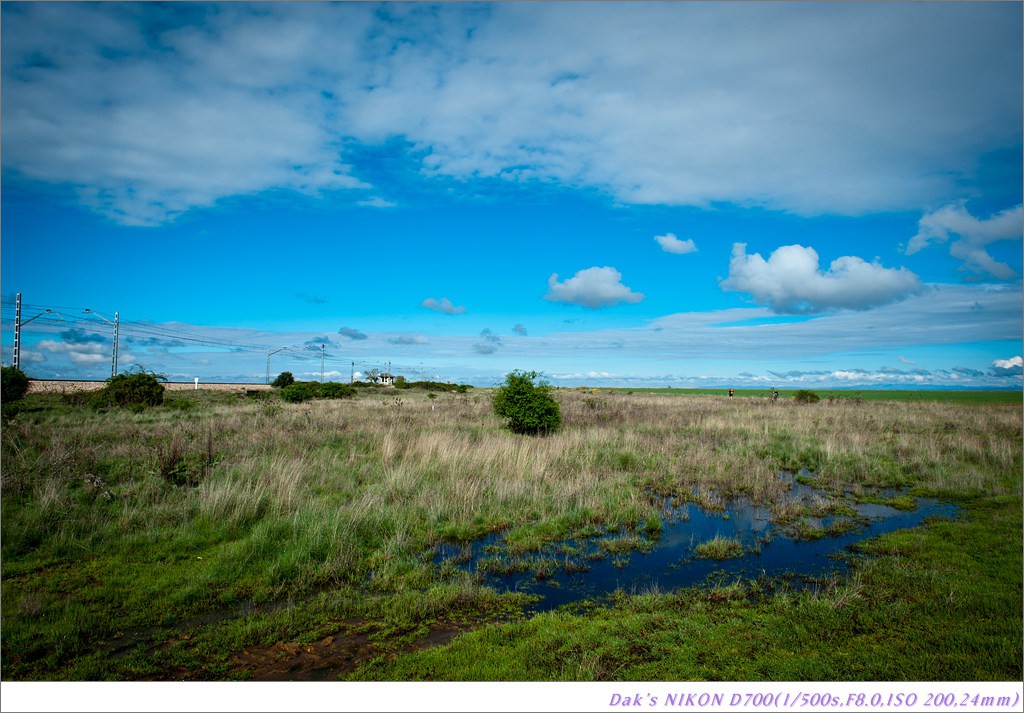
(389, 476)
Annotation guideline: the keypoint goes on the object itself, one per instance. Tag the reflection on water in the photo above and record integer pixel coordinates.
(811, 548)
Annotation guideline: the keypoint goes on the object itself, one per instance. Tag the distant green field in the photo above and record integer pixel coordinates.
(964, 397)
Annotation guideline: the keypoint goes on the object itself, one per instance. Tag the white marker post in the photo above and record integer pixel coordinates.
(197, 383)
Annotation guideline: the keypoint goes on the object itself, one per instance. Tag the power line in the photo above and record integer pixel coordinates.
(147, 334)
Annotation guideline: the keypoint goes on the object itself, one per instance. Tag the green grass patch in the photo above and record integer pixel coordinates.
(719, 548)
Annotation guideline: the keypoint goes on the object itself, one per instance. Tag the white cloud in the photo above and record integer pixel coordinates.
(790, 282)
(442, 305)
(1007, 367)
(82, 353)
(151, 110)
(146, 128)
(974, 235)
(594, 287)
(671, 244)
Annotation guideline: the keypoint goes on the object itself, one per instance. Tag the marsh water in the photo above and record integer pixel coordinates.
(592, 567)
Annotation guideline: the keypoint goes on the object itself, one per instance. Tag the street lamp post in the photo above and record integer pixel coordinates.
(18, 324)
(269, 353)
(113, 360)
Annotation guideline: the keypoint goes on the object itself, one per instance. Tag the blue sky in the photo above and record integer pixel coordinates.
(615, 194)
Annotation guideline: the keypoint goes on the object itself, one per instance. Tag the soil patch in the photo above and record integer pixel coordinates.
(330, 657)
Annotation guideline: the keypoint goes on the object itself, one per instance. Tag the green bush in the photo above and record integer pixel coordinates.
(285, 378)
(297, 392)
(334, 390)
(529, 407)
(803, 396)
(431, 386)
(14, 385)
(306, 390)
(134, 390)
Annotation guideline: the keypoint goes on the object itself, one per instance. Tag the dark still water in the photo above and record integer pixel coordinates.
(592, 567)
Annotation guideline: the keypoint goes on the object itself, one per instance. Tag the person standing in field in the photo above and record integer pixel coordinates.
(730, 393)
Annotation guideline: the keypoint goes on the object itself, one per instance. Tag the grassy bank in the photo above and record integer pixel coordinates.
(175, 542)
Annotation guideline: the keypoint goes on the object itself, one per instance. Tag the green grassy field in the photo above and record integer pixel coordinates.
(221, 538)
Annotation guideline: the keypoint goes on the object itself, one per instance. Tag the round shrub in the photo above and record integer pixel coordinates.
(14, 385)
(134, 390)
(529, 407)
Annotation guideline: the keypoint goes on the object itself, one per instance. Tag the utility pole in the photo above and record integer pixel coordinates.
(113, 359)
(352, 378)
(18, 324)
(322, 347)
(17, 331)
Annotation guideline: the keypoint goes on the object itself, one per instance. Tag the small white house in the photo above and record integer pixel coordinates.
(384, 379)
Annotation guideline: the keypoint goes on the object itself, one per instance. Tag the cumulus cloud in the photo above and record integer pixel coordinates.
(1008, 367)
(594, 287)
(671, 244)
(973, 236)
(351, 333)
(149, 110)
(442, 305)
(790, 281)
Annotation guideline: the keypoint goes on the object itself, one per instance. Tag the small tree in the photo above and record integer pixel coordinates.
(529, 407)
(285, 378)
(14, 385)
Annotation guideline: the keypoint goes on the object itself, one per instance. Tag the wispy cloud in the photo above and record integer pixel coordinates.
(520, 330)
(376, 202)
(671, 244)
(408, 339)
(594, 287)
(442, 305)
(790, 281)
(310, 299)
(974, 235)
